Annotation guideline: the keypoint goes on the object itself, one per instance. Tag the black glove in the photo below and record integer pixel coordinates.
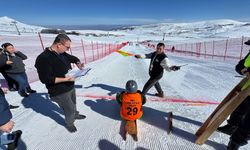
(175, 68)
(137, 56)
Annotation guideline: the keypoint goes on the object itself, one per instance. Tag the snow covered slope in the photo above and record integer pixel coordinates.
(43, 125)
(7, 25)
(194, 31)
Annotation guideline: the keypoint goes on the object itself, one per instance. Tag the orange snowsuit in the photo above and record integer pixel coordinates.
(131, 105)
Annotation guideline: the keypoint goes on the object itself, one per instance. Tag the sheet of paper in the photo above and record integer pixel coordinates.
(76, 72)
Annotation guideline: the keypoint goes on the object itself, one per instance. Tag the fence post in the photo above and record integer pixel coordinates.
(213, 50)
(205, 49)
(39, 35)
(225, 50)
(109, 48)
(102, 51)
(185, 46)
(84, 53)
(241, 50)
(105, 53)
(97, 50)
(191, 47)
(196, 46)
(93, 50)
(199, 50)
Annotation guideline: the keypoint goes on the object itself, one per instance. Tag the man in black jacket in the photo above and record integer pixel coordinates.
(159, 62)
(52, 66)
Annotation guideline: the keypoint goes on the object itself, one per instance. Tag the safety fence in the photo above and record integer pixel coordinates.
(227, 50)
(33, 45)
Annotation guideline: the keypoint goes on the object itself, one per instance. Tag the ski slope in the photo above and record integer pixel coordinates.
(42, 121)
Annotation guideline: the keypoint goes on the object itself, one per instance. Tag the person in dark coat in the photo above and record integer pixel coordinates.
(239, 113)
(52, 66)
(238, 126)
(159, 62)
(15, 68)
(12, 84)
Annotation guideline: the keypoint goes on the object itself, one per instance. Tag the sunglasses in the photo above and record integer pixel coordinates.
(68, 47)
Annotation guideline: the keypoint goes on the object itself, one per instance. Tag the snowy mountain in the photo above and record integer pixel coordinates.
(7, 25)
(174, 32)
(203, 30)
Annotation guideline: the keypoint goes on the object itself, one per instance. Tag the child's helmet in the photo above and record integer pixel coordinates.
(131, 86)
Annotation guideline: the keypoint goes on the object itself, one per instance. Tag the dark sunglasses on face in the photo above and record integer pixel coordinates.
(68, 47)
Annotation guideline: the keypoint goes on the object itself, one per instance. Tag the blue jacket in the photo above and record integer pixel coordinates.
(5, 114)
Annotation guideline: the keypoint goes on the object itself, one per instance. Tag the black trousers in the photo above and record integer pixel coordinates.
(153, 81)
(67, 101)
(242, 134)
(239, 113)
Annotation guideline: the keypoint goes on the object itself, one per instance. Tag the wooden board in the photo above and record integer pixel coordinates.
(231, 94)
(221, 114)
(131, 128)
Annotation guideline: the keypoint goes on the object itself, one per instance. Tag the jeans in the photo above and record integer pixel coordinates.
(21, 79)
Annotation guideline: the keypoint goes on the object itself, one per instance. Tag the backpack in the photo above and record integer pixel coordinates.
(240, 65)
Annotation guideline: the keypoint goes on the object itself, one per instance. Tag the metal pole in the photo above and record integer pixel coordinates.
(14, 22)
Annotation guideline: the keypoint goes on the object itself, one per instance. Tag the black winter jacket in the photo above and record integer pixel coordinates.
(50, 65)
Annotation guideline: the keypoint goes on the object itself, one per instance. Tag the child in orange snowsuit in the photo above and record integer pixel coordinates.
(131, 102)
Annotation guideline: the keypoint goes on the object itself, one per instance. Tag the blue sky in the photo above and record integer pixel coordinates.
(93, 12)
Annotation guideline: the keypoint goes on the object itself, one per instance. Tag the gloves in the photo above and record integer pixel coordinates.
(175, 68)
(137, 56)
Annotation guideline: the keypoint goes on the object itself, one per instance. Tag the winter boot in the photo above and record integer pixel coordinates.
(71, 128)
(13, 145)
(232, 145)
(23, 94)
(29, 90)
(159, 94)
(80, 116)
(227, 129)
(12, 89)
